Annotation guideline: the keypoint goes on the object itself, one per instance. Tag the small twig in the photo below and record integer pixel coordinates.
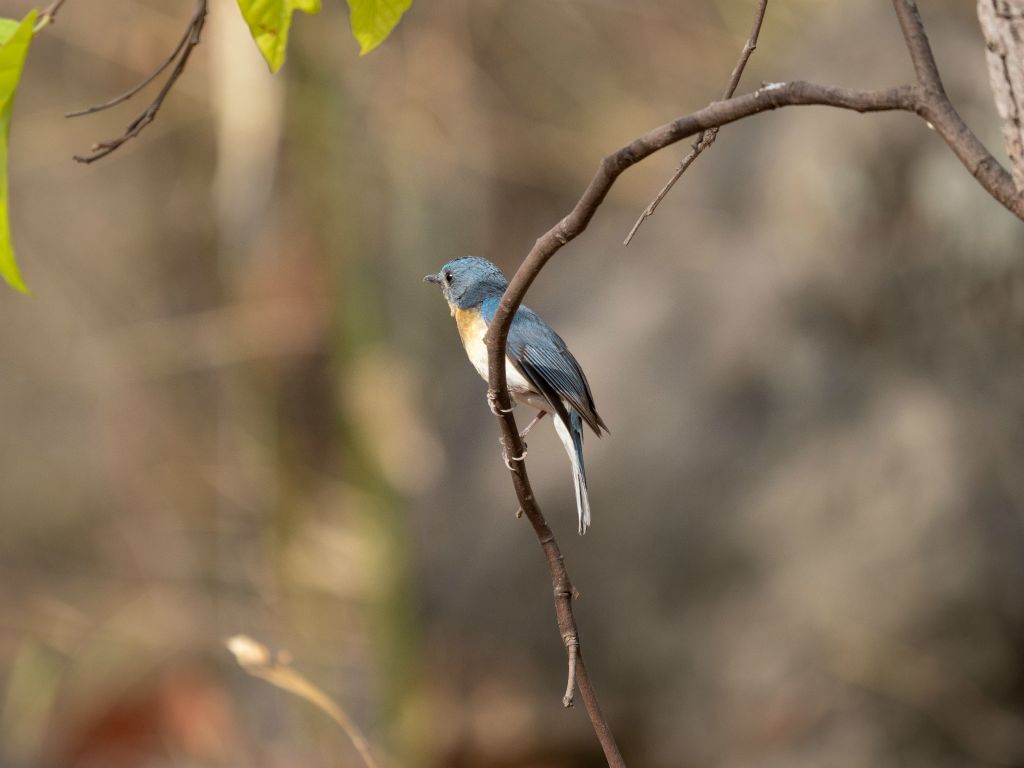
(920, 50)
(255, 659)
(706, 138)
(180, 54)
(138, 86)
(48, 16)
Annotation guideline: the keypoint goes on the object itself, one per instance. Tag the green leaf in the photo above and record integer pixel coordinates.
(373, 20)
(14, 42)
(269, 21)
(7, 28)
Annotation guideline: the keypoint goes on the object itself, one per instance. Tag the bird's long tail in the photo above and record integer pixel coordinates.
(572, 439)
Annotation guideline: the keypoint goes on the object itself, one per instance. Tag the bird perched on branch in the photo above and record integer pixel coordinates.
(540, 370)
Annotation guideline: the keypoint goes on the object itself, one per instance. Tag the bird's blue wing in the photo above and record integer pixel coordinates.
(543, 358)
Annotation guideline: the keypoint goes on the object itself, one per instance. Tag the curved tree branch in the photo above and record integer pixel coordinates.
(926, 98)
(719, 113)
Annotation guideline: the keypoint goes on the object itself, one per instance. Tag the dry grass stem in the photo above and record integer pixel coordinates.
(256, 659)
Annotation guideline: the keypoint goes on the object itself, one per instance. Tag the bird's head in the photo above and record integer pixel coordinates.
(468, 281)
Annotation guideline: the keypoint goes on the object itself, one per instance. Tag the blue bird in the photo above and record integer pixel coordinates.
(540, 370)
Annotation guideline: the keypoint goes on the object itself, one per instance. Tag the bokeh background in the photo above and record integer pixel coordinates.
(232, 406)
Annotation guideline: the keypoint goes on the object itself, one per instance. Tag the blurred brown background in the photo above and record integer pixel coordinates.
(232, 406)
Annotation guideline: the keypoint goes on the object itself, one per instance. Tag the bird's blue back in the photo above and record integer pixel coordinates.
(545, 359)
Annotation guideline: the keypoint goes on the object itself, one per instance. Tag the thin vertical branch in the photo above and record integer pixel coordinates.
(707, 138)
(578, 676)
(925, 68)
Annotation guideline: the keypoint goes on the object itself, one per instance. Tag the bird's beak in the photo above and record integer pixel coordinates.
(432, 279)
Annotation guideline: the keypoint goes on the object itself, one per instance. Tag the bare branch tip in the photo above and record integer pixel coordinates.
(707, 138)
(179, 57)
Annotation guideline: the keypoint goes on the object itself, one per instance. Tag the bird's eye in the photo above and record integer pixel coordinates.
(448, 277)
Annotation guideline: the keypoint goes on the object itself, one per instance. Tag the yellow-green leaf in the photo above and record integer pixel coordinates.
(7, 28)
(14, 41)
(269, 21)
(373, 20)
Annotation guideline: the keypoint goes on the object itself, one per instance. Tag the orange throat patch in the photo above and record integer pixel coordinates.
(471, 324)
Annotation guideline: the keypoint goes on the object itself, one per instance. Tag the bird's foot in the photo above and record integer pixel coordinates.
(508, 461)
(492, 403)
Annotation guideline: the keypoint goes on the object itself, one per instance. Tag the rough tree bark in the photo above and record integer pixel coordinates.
(1002, 23)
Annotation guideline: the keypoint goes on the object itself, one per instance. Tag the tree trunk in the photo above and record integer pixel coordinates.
(1002, 22)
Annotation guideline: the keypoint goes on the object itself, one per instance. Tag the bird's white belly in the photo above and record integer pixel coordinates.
(472, 329)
